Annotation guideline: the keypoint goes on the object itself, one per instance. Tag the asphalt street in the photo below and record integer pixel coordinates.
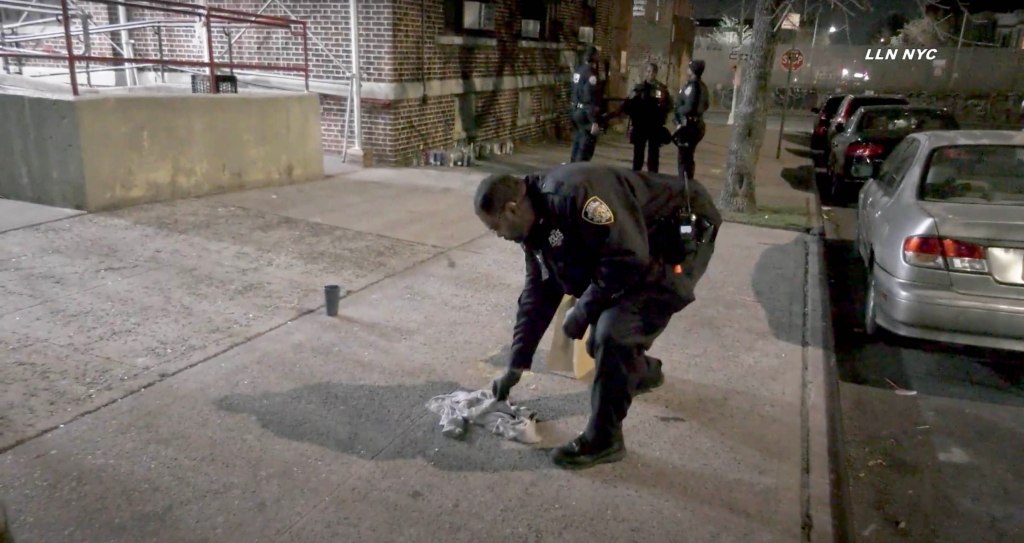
(931, 432)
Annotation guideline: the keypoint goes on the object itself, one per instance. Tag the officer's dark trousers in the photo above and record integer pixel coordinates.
(583, 143)
(687, 151)
(623, 334)
(646, 139)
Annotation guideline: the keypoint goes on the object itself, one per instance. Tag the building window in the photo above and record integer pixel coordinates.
(539, 19)
(548, 100)
(469, 17)
(525, 107)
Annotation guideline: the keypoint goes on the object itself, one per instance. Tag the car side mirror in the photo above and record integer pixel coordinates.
(815, 110)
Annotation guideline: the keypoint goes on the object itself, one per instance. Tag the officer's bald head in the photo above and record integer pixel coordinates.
(502, 205)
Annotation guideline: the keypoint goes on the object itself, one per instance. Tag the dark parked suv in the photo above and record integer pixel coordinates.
(819, 137)
(850, 105)
(858, 152)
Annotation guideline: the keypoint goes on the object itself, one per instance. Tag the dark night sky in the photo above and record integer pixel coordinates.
(862, 23)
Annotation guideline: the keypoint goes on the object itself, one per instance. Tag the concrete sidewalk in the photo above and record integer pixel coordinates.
(169, 375)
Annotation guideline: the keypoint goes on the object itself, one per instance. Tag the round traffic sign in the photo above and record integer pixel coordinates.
(792, 59)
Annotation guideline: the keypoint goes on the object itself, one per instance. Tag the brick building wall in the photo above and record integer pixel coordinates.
(428, 84)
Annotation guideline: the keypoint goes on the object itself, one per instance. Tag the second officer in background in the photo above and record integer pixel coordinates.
(586, 107)
(690, 107)
(648, 106)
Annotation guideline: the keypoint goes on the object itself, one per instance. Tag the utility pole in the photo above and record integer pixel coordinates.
(785, 104)
(954, 76)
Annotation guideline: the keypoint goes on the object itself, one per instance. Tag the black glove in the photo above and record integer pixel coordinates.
(503, 385)
(575, 324)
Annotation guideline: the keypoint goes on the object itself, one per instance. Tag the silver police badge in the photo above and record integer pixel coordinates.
(597, 212)
(556, 237)
(687, 90)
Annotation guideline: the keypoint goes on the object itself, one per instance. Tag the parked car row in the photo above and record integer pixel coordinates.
(940, 217)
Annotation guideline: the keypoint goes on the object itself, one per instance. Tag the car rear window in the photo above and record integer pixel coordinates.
(832, 106)
(906, 120)
(975, 174)
(858, 102)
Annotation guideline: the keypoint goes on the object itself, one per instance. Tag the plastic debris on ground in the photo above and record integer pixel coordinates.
(461, 408)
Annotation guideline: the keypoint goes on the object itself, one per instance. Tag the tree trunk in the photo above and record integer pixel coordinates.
(738, 193)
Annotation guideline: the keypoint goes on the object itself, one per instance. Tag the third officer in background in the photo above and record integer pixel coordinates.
(586, 107)
(648, 106)
(690, 107)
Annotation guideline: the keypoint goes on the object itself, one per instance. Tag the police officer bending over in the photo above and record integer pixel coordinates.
(586, 102)
(691, 105)
(630, 246)
(648, 106)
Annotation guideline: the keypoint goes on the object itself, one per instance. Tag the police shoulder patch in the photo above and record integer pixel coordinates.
(576, 77)
(597, 212)
(687, 90)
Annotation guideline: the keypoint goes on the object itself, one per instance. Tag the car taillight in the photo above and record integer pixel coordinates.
(820, 131)
(965, 257)
(864, 149)
(930, 252)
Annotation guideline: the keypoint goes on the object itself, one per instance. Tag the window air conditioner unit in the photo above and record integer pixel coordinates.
(531, 28)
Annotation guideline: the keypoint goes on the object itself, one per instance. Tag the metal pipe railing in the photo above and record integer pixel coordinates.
(209, 15)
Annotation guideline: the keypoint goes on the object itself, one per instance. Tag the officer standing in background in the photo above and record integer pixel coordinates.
(586, 104)
(690, 107)
(631, 247)
(648, 106)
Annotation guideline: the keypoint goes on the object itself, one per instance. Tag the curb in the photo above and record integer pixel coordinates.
(828, 452)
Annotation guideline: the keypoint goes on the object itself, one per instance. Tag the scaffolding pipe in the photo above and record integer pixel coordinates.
(356, 78)
(3, 38)
(33, 22)
(29, 6)
(100, 30)
(122, 16)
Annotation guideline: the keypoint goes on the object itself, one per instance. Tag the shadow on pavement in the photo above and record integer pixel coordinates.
(779, 287)
(799, 139)
(391, 422)
(801, 178)
(802, 153)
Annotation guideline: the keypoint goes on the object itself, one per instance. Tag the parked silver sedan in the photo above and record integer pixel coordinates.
(941, 231)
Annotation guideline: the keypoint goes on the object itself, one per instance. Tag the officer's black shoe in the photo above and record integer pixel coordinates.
(654, 378)
(580, 453)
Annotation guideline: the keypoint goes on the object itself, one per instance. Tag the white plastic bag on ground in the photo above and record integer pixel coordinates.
(461, 408)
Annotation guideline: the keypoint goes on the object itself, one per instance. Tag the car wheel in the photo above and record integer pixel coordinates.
(870, 324)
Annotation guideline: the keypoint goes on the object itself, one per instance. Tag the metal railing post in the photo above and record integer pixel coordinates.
(214, 87)
(86, 48)
(231, 52)
(66, 18)
(160, 48)
(344, 137)
(305, 50)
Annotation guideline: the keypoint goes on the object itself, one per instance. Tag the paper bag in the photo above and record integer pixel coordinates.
(565, 354)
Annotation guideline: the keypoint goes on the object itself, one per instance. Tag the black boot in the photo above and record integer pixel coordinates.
(654, 378)
(580, 453)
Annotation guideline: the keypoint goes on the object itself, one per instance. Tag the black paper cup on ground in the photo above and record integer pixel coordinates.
(332, 295)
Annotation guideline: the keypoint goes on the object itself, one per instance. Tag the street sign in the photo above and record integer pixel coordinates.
(792, 60)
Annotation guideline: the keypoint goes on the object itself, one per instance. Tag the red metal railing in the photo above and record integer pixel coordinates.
(208, 13)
